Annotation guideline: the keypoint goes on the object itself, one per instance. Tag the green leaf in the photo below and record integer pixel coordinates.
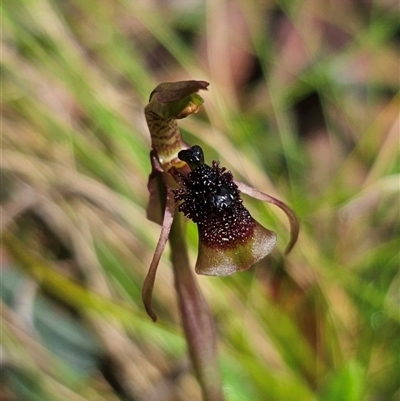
(347, 383)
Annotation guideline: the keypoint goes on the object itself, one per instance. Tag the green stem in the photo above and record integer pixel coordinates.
(196, 317)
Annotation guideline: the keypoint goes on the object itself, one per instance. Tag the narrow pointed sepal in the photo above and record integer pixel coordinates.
(214, 260)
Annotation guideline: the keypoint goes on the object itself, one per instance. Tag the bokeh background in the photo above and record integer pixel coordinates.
(303, 104)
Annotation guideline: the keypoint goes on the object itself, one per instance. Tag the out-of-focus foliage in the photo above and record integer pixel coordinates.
(303, 104)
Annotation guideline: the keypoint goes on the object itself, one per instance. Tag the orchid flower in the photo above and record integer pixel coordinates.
(230, 240)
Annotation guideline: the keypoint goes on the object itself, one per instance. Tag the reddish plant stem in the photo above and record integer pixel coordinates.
(196, 317)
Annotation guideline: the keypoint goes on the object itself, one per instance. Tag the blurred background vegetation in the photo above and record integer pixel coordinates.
(303, 104)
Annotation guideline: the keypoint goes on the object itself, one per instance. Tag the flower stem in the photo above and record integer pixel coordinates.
(196, 317)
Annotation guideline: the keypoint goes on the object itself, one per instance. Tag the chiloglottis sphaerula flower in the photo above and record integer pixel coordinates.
(230, 240)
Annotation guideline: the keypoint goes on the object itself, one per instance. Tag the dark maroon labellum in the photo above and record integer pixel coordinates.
(211, 199)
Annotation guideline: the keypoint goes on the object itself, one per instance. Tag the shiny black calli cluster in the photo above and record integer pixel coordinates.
(211, 199)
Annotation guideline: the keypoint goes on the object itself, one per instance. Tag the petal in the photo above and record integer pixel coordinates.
(157, 191)
(148, 285)
(294, 222)
(223, 261)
